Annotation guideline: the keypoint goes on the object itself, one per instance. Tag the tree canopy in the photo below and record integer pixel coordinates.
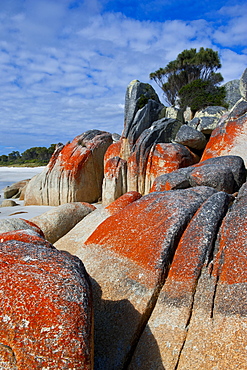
(35, 155)
(188, 67)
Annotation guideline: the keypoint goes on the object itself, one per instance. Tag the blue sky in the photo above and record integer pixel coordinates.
(65, 65)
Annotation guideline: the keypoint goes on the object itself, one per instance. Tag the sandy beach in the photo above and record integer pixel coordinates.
(10, 175)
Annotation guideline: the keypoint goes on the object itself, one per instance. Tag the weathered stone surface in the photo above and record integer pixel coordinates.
(229, 138)
(60, 220)
(11, 224)
(46, 309)
(25, 236)
(208, 118)
(115, 180)
(171, 112)
(166, 158)
(162, 131)
(127, 257)
(232, 93)
(235, 163)
(74, 174)
(191, 137)
(8, 203)
(170, 319)
(143, 119)
(219, 178)
(14, 189)
(238, 110)
(226, 173)
(220, 310)
(178, 179)
(75, 238)
(243, 84)
(137, 96)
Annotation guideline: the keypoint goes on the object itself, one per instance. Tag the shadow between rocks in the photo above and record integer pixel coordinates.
(113, 326)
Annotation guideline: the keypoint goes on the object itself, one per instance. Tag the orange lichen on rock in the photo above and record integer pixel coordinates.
(146, 230)
(113, 151)
(112, 167)
(26, 236)
(169, 157)
(229, 138)
(123, 201)
(231, 260)
(195, 246)
(46, 307)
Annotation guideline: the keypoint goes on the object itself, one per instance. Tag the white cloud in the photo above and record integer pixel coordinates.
(64, 71)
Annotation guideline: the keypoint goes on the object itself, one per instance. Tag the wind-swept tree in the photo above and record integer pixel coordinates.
(189, 66)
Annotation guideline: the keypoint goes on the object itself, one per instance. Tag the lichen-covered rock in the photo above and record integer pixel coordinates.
(206, 120)
(191, 137)
(74, 239)
(219, 310)
(46, 308)
(58, 221)
(229, 138)
(226, 173)
(11, 224)
(243, 84)
(74, 173)
(127, 257)
(162, 131)
(115, 180)
(170, 319)
(166, 158)
(178, 179)
(26, 236)
(232, 93)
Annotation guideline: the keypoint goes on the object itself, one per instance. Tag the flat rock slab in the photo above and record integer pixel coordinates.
(46, 308)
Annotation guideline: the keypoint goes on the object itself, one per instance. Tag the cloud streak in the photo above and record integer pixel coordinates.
(65, 66)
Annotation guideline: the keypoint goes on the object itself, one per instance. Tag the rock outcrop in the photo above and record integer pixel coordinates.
(74, 173)
(232, 93)
(227, 173)
(46, 307)
(127, 257)
(206, 120)
(129, 162)
(167, 269)
(75, 238)
(58, 221)
(14, 190)
(229, 138)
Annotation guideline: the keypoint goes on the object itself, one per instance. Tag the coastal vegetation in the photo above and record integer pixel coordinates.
(191, 79)
(32, 157)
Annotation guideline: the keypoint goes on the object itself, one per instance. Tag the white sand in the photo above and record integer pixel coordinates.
(10, 175)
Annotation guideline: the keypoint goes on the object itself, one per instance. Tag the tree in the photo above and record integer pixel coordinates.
(189, 66)
(199, 94)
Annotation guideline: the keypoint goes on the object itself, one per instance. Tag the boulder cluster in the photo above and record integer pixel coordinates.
(154, 274)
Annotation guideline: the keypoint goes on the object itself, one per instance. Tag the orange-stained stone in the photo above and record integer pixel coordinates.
(46, 307)
(123, 201)
(74, 174)
(113, 151)
(148, 228)
(26, 236)
(111, 168)
(166, 158)
(228, 138)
